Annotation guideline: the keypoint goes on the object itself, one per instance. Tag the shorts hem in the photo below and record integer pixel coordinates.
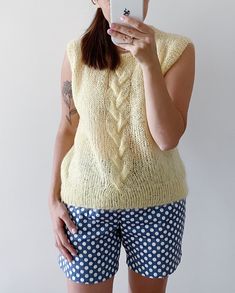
(86, 282)
(155, 277)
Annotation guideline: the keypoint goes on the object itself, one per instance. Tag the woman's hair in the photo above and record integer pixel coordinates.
(97, 48)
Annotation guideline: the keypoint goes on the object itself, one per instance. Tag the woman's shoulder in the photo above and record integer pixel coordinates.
(169, 38)
(73, 48)
(73, 43)
(170, 46)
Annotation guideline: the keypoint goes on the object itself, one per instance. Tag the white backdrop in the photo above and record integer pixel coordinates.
(33, 39)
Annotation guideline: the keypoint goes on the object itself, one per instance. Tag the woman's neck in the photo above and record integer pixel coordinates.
(122, 51)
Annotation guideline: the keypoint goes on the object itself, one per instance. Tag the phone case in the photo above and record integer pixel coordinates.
(132, 8)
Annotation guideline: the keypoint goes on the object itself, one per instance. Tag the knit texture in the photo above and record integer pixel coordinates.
(114, 162)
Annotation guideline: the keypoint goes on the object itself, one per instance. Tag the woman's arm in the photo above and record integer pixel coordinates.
(66, 131)
(168, 97)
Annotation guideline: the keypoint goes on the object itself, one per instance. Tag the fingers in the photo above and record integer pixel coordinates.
(139, 25)
(68, 222)
(119, 36)
(129, 31)
(64, 241)
(62, 249)
(61, 218)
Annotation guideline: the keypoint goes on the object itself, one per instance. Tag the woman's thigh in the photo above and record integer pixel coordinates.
(139, 283)
(105, 286)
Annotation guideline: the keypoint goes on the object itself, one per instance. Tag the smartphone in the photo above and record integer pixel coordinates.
(132, 8)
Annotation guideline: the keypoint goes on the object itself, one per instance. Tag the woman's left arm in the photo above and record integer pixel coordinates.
(167, 98)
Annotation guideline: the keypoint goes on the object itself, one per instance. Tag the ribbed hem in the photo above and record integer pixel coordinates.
(142, 196)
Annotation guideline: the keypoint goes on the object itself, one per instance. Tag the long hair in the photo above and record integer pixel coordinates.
(97, 49)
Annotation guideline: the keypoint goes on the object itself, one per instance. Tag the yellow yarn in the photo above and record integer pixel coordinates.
(114, 162)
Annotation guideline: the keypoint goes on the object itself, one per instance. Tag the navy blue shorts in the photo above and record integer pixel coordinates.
(151, 237)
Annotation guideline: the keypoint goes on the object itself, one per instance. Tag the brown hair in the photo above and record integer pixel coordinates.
(97, 48)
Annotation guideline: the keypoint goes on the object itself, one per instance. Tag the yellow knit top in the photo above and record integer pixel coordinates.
(114, 162)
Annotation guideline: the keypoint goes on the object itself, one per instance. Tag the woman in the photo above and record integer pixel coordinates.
(118, 177)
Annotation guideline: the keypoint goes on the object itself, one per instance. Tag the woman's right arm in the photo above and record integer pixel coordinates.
(67, 128)
(63, 142)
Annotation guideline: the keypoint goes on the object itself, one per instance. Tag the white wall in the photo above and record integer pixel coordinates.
(33, 39)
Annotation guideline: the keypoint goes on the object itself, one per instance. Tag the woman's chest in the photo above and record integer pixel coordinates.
(97, 91)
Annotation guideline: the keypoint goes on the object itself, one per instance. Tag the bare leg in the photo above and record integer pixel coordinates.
(140, 284)
(105, 286)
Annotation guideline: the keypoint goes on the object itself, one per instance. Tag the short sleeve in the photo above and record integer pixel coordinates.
(175, 45)
(72, 52)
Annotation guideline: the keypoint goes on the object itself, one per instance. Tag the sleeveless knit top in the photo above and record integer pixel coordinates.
(114, 162)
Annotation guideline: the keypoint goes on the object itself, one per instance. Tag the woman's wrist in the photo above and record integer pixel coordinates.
(54, 199)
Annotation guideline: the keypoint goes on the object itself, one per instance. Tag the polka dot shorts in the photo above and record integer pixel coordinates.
(151, 237)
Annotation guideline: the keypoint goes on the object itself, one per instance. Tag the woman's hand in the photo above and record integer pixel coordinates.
(60, 217)
(143, 47)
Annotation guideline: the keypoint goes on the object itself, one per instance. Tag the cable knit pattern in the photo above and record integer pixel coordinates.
(117, 121)
(114, 162)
